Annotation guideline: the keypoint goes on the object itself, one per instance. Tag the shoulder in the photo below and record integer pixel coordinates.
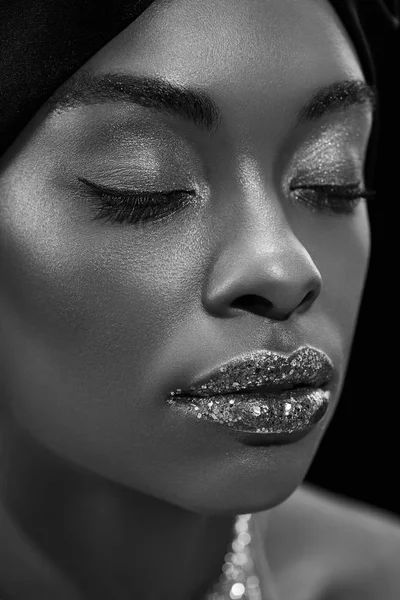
(337, 548)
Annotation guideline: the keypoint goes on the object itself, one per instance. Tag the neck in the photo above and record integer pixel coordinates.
(102, 539)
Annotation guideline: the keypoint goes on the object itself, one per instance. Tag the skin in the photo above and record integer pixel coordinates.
(99, 321)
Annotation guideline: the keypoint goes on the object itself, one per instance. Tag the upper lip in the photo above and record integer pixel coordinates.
(264, 370)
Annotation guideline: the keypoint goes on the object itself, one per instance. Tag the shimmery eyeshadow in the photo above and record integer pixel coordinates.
(333, 155)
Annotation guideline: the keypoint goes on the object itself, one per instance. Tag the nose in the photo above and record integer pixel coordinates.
(264, 269)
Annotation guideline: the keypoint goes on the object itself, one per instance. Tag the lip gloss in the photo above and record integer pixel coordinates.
(262, 392)
(284, 412)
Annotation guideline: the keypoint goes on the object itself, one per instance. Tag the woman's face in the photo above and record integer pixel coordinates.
(101, 318)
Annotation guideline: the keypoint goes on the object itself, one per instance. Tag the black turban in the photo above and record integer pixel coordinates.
(43, 42)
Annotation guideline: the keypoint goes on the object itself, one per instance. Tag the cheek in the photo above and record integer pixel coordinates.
(344, 257)
(85, 281)
(87, 311)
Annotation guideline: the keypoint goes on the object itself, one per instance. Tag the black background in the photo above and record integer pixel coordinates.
(360, 452)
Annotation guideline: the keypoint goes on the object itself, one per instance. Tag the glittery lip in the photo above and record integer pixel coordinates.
(264, 369)
(286, 412)
(262, 392)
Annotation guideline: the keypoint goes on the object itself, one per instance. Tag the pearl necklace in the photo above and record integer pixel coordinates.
(238, 580)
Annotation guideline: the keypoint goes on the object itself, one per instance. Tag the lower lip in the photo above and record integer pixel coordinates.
(280, 417)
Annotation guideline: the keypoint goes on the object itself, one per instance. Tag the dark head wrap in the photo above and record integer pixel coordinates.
(43, 42)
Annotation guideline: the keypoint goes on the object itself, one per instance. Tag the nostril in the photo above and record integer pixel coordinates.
(253, 303)
(308, 297)
(307, 300)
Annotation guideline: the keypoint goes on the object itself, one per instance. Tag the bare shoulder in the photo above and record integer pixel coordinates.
(337, 548)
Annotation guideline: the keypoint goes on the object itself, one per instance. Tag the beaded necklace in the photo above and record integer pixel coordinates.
(238, 580)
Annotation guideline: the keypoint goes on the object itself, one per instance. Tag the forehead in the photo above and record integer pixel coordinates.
(256, 58)
(225, 43)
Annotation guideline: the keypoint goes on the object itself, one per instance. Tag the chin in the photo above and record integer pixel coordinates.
(244, 479)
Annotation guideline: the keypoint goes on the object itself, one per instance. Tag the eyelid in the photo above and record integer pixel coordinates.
(102, 189)
(333, 155)
(333, 187)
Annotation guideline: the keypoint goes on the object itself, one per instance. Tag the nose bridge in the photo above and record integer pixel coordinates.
(254, 214)
(261, 265)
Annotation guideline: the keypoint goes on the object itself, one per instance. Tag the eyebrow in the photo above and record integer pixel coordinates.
(196, 106)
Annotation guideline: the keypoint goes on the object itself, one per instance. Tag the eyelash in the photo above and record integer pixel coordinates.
(333, 199)
(115, 206)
